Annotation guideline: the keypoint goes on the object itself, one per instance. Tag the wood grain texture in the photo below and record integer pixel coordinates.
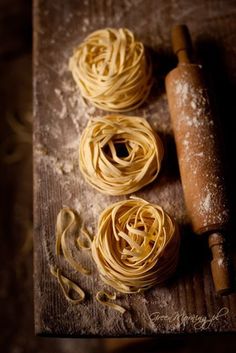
(187, 303)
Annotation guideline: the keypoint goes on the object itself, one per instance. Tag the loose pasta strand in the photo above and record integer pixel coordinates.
(68, 286)
(87, 242)
(102, 297)
(67, 220)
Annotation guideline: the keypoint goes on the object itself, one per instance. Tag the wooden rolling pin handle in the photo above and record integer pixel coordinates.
(181, 43)
(220, 267)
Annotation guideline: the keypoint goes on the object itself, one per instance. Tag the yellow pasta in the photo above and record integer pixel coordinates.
(67, 220)
(67, 223)
(102, 297)
(68, 286)
(136, 245)
(119, 154)
(112, 70)
(85, 243)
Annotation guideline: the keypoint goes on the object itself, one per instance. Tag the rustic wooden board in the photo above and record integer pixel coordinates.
(187, 303)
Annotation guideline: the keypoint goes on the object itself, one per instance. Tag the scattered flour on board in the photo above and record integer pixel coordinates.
(63, 112)
(59, 165)
(85, 26)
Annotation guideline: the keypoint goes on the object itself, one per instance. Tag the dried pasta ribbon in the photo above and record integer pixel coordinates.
(84, 244)
(68, 286)
(102, 297)
(67, 222)
(112, 70)
(136, 245)
(120, 154)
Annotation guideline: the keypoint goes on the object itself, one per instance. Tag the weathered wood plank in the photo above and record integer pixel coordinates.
(188, 300)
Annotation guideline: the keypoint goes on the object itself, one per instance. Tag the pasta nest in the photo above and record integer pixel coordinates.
(119, 154)
(136, 246)
(112, 70)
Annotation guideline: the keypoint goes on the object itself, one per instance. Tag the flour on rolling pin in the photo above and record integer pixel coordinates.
(196, 145)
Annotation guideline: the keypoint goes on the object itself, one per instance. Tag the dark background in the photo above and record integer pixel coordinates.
(16, 281)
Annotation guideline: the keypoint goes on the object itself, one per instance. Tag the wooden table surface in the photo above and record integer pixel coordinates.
(187, 303)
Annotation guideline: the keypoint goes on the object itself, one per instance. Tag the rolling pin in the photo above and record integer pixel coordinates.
(198, 152)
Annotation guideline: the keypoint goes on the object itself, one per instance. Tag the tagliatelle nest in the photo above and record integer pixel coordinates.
(112, 70)
(136, 246)
(119, 154)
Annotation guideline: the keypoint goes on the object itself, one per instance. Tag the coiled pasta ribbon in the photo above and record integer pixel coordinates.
(119, 154)
(111, 70)
(136, 246)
